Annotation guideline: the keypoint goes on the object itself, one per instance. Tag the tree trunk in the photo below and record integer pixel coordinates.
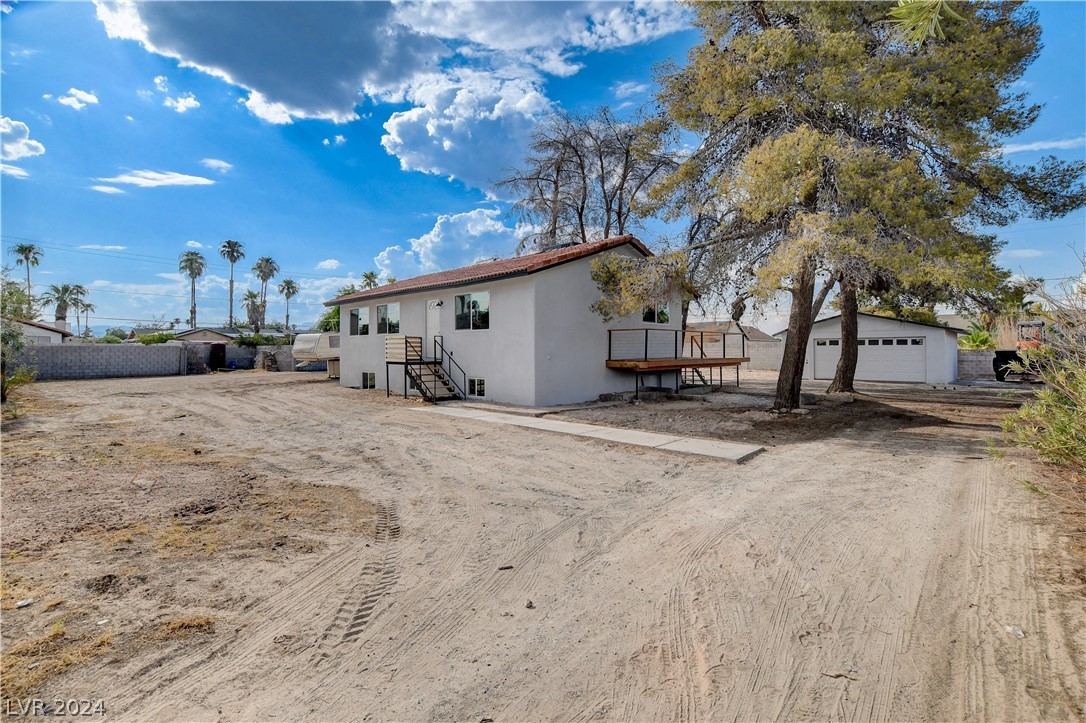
(192, 309)
(286, 328)
(28, 280)
(230, 318)
(800, 319)
(845, 376)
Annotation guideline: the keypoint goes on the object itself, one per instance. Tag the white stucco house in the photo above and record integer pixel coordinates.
(515, 330)
(890, 350)
(36, 332)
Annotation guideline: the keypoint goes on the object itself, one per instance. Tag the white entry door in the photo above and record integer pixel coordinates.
(433, 324)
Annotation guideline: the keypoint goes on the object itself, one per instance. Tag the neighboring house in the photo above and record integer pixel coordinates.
(35, 332)
(890, 350)
(764, 351)
(207, 335)
(515, 330)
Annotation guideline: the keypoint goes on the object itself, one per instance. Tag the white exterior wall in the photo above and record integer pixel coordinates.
(940, 345)
(36, 334)
(502, 354)
(571, 340)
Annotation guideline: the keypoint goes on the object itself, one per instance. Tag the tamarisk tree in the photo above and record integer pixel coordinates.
(834, 149)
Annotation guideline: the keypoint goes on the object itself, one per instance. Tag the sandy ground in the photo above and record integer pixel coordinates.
(272, 546)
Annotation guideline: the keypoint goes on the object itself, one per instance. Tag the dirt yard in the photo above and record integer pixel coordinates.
(275, 547)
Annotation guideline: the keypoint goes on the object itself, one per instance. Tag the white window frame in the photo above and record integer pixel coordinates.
(471, 311)
(359, 322)
(371, 378)
(666, 305)
(474, 385)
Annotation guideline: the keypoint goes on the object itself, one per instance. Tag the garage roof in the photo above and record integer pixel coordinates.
(888, 318)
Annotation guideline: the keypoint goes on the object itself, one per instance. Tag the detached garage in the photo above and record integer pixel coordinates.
(890, 350)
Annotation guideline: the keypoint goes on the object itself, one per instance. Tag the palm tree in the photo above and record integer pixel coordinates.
(86, 308)
(232, 251)
(390, 280)
(288, 288)
(254, 309)
(64, 296)
(265, 269)
(192, 264)
(369, 280)
(28, 254)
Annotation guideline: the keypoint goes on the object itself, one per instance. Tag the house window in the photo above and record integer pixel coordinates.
(476, 387)
(820, 342)
(388, 318)
(369, 380)
(861, 342)
(901, 342)
(472, 310)
(360, 321)
(887, 342)
(835, 342)
(916, 342)
(658, 314)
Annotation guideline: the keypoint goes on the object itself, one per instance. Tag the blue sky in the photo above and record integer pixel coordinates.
(341, 137)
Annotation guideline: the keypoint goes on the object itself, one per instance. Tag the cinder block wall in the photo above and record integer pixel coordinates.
(975, 364)
(97, 361)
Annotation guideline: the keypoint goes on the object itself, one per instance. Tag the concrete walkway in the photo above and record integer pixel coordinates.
(730, 451)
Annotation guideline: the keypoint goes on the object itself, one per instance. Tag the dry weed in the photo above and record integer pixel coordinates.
(185, 627)
(31, 662)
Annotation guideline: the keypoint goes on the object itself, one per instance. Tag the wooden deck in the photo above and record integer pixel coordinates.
(672, 365)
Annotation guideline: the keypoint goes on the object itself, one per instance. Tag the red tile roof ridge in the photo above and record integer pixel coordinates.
(495, 269)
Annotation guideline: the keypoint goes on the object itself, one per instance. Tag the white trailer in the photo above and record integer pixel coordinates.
(309, 348)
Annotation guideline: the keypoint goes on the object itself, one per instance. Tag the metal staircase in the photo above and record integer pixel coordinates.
(435, 379)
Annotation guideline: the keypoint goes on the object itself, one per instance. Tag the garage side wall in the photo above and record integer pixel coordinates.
(936, 365)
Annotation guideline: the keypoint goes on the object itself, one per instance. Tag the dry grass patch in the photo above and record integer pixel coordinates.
(29, 663)
(185, 627)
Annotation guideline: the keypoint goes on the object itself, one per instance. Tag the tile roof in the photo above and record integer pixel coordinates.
(497, 269)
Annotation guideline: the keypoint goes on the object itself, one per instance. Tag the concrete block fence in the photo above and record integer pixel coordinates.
(101, 361)
(975, 364)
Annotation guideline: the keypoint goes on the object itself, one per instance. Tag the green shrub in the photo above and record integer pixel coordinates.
(252, 341)
(110, 339)
(159, 337)
(978, 339)
(1054, 423)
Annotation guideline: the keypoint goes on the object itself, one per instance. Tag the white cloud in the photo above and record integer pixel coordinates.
(216, 165)
(13, 171)
(78, 99)
(474, 72)
(15, 141)
(1054, 145)
(47, 96)
(330, 264)
(129, 118)
(160, 83)
(100, 247)
(151, 179)
(338, 141)
(629, 88)
(455, 240)
(194, 244)
(107, 189)
(1023, 253)
(470, 127)
(182, 103)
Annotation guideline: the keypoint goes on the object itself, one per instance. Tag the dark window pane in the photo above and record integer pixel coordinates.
(662, 316)
(835, 342)
(480, 310)
(918, 342)
(861, 342)
(354, 322)
(394, 318)
(902, 342)
(820, 342)
(887, 342)
(462, 311)
(382, 319)
(480, 387)
(649, 315)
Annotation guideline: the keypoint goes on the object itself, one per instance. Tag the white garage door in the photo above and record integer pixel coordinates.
(883, 359)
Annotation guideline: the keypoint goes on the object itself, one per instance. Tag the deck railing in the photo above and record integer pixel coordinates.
(646, 344)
